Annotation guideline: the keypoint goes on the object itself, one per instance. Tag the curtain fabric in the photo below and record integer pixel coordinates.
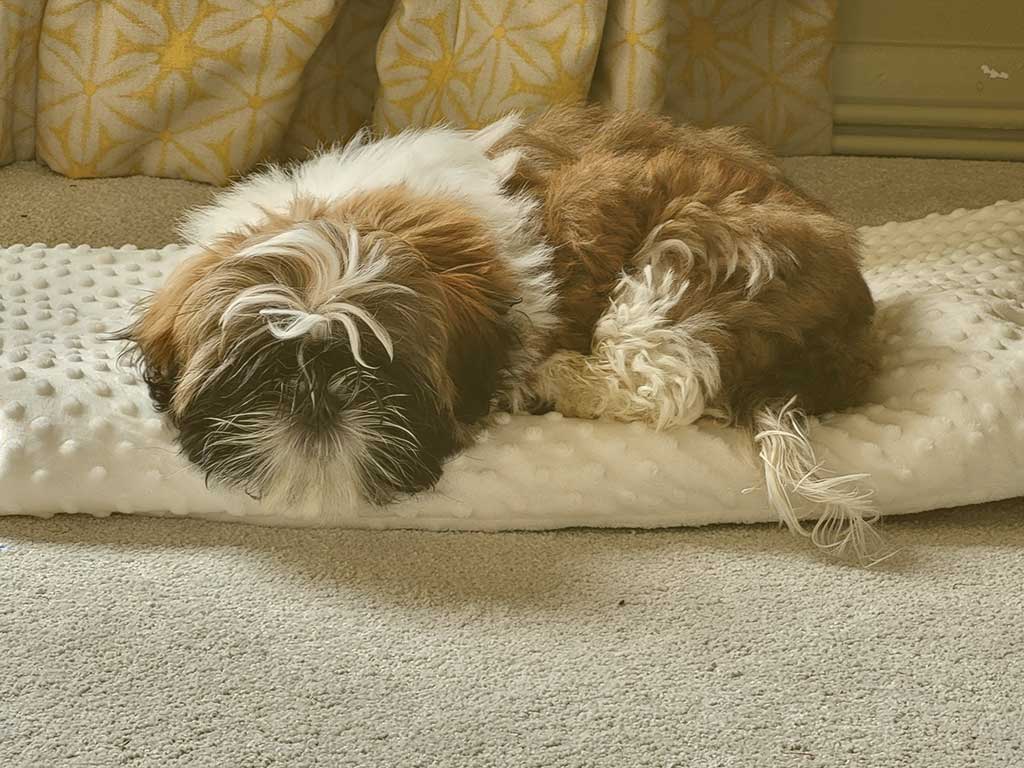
(206, 89)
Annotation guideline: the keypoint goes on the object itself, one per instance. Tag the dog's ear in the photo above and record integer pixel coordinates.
(477, 294)
(481, 335)
(150, 350)
(158, 340)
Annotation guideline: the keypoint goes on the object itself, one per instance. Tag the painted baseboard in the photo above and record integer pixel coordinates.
(929, 99)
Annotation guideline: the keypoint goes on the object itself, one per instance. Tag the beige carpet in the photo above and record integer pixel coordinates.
(155, 643)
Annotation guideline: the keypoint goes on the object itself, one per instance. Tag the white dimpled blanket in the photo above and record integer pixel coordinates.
(944, 427)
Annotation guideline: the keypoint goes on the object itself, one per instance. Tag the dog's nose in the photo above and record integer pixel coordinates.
(315, 406)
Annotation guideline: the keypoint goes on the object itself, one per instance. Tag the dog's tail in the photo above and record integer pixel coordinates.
(799, 488)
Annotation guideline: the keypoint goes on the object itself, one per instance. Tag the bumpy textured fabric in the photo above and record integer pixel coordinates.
(943, 426)
(204, 90)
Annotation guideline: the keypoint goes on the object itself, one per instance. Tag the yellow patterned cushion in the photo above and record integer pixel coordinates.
(205, 89)
(469, 62)
(762, 64)
(340, 81)
(197, 89)
(19, 34)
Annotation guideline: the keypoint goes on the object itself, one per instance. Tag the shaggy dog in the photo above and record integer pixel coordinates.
(342, 326)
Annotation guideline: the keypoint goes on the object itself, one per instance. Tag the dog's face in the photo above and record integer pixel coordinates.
(335, 353)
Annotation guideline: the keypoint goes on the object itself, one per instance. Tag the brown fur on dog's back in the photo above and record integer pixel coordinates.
(619, 190)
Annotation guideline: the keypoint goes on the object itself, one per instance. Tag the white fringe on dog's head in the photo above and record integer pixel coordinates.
(340, 276)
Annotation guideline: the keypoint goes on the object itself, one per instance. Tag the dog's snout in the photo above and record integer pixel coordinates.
(316, 406)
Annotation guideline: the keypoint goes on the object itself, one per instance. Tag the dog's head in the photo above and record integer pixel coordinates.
(335, 352)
